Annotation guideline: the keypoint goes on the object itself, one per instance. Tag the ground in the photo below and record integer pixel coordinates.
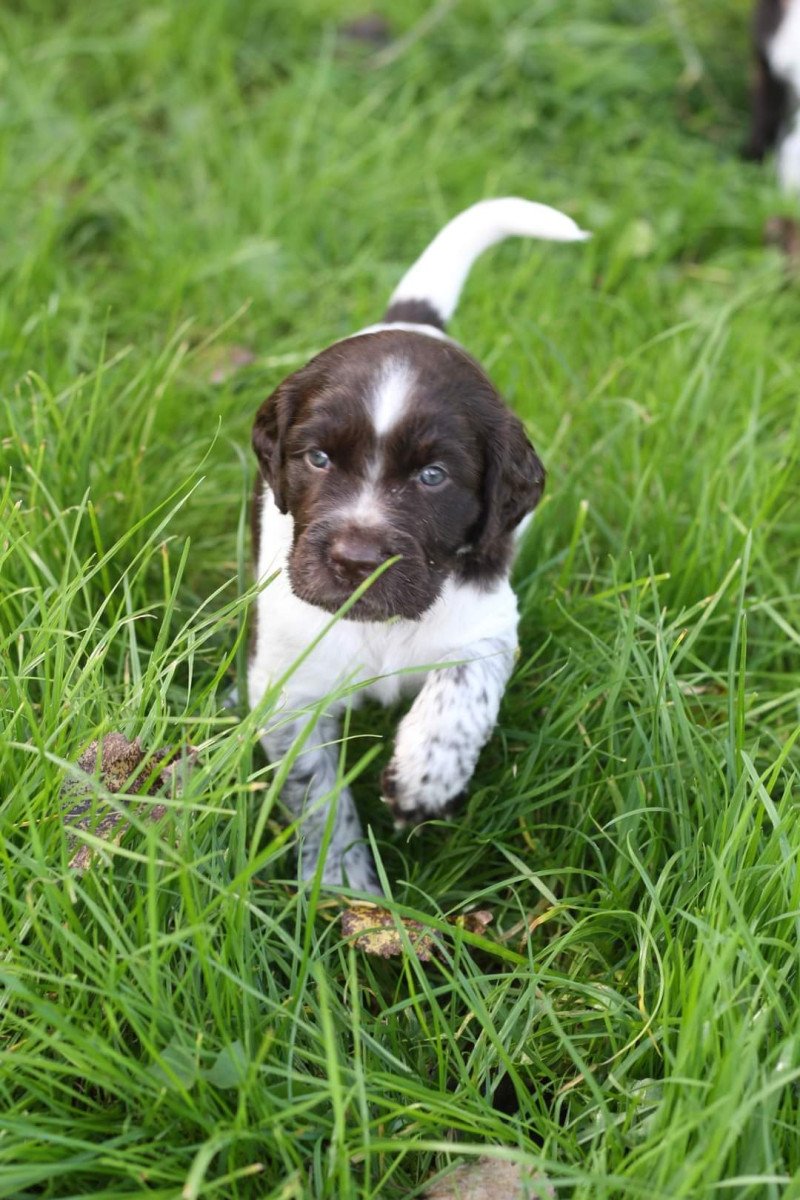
(195, 198)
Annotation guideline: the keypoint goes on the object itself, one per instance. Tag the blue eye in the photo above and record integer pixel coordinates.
(432, 476)
(318, 459)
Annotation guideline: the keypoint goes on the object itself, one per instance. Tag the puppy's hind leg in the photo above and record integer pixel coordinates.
(309, 791)
(440, 738)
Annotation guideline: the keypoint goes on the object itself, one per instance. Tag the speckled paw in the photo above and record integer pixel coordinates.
(413, 807)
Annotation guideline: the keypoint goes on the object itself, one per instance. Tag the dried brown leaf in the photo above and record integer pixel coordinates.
(490, 1179)
(784, 232)
(372, 28)
(120, 765)
(474, 922)
(375, 931)
(231, 361)
(217, 362)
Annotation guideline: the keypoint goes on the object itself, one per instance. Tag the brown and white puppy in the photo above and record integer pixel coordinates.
(775, 101)
(392, 446)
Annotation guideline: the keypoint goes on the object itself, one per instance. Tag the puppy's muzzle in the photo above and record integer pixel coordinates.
(355, 554)
(330, 560)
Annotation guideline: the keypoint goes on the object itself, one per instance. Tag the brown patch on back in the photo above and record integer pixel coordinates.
(414, 312)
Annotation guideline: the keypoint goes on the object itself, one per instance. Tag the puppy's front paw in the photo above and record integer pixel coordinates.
(414, 800)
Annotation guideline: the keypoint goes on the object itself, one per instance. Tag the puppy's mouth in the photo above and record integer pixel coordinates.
(322, 574)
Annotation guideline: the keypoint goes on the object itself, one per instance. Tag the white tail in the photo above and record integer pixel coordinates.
(438, 275)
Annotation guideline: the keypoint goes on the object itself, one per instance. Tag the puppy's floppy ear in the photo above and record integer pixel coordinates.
(269, 434)
(512, 487)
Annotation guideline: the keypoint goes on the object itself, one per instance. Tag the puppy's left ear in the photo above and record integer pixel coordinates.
(513, 485)
(269, 435)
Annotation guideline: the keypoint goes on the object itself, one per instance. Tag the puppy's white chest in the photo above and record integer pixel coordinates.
(381, 660)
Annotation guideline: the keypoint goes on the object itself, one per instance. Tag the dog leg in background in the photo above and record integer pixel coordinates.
(440, 738)
(782, 53)
(768, 104)
(308, 792)
(789, 158)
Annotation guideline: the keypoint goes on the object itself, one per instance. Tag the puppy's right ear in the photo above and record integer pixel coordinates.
(273, 419)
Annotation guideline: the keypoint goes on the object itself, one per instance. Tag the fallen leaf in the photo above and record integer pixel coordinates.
(376, 931)
(177, 1070)
(228, 1068)
(490, 1179)
(120, 765)
(217, 362)
(784, 232)
(372, 28)
(231, 359)
(474, 922)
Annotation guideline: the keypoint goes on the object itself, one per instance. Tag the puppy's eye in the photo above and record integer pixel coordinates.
(432, 476)
(318, 459)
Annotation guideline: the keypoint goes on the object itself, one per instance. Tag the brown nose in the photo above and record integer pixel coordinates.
(356, 555)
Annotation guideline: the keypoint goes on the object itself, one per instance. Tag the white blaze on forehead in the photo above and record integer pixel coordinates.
(392, 394)
(365, 510)
(386, 403)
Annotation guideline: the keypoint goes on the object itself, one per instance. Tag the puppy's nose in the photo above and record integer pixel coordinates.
(356, 555)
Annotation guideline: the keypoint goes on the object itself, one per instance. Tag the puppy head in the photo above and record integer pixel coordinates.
(394, 444)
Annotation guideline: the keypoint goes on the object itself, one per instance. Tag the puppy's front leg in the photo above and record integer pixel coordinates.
(447, 726)
(307, 791)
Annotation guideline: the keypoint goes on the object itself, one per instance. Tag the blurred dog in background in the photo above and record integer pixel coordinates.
(775, 107)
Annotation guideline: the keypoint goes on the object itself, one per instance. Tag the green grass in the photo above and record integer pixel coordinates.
(183, 179)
